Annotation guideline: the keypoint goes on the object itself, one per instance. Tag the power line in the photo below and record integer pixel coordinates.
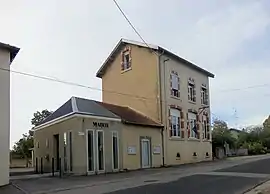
(91, 87)
(132, 26)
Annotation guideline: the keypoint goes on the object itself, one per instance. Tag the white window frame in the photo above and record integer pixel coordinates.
(192, 117)
(117, 136)
(126, 63)
(175, 84)
(203, 96)
(175, 113)
(97, 154)
(94, 144)
(191, 93)
(204, 127)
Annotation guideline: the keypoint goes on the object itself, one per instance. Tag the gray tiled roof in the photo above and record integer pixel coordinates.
(80, 106)
(91, 107)
(83, 106)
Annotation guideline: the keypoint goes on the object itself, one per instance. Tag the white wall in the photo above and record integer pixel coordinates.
(4, 117)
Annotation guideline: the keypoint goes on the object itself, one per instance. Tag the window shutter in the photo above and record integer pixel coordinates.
(122, 61)
(188, 128)
(182, 124)
(170, 122)
(178, 127)
(188, 92)
(171, 77)
(129, 52)
(194, 93)
(198, 126)
(206, 98)
(208, 127)
(178, 93)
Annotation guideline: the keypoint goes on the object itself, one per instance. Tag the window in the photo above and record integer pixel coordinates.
(175, 84)
(192, 124)
(205, 127)
(191, 92)
(204, 96)
(126, 59)
(175, 122)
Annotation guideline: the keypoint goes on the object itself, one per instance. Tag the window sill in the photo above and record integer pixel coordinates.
(123, 71)
(191, 102)
(175, 97)
(203, 104)
(176, 139)
(193, 139)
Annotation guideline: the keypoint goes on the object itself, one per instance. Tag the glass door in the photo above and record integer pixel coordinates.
(90, 151)
(100, 152)
(145, 155)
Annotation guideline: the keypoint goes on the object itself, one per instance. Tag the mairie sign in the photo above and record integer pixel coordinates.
(101, 125)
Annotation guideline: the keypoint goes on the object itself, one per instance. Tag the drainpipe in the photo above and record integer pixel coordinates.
(162, 142)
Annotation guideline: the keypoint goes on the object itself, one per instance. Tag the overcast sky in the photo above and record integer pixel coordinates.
(69, 40)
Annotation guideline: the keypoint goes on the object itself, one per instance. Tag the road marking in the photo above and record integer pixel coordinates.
(248, 175)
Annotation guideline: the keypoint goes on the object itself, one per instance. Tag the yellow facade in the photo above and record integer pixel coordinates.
(138, 87)
(149, 78)
(132, 135)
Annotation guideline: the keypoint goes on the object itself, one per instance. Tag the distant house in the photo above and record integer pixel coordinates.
(7, 54)
(236, 132)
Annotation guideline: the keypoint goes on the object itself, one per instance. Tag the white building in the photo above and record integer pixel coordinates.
(7, 54)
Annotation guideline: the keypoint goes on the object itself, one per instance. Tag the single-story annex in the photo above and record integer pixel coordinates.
(90, 137)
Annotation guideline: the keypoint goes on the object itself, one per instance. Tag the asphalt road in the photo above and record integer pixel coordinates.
(212, 183)
(204, 178)
(199, 184)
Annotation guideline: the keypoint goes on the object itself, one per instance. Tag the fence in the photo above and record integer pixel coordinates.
(43, 165)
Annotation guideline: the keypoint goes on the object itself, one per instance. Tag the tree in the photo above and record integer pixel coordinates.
(221, 134)
(266, 124)
(39, 116)
(23, 146)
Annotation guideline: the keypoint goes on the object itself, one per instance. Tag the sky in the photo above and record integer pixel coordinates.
(69, 40)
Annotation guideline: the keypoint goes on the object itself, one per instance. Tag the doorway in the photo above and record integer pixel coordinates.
(145, 153)
(95, 152)
(56, 150)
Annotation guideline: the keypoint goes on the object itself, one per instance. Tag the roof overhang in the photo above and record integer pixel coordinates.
(12, 49)
(186, 62)
(70, 116)
(160, 50)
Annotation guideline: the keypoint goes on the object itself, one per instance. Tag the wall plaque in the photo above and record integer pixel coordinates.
(100, 125)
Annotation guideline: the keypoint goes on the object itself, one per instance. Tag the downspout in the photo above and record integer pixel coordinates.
(161, 109)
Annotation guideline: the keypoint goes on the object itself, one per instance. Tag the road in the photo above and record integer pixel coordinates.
(224, 177)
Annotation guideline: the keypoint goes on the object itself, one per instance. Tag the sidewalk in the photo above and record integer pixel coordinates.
(261, 189)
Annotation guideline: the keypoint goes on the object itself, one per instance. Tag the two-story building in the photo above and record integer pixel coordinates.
(166, 88)
(7, 54)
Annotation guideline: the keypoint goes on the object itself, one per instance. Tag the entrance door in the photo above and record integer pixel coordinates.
(145, 155)
(95, 152)
(56, 151)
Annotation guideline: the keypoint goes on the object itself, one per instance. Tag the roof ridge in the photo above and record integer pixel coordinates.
(74, 104)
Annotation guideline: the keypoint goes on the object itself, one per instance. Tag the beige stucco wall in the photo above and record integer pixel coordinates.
(186, 147)
(132, 136)
(4, 116)
(141, 80)
(79, 149)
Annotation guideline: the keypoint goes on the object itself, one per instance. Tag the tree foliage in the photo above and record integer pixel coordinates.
(39, 116)
(23, 146)
(221, 134)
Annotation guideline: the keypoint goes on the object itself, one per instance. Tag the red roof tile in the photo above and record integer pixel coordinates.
(130, 116)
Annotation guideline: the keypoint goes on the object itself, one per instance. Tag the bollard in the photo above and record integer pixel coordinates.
(52, 166)
(41, 165)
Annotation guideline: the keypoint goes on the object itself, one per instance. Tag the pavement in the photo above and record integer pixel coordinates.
(234, 176)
